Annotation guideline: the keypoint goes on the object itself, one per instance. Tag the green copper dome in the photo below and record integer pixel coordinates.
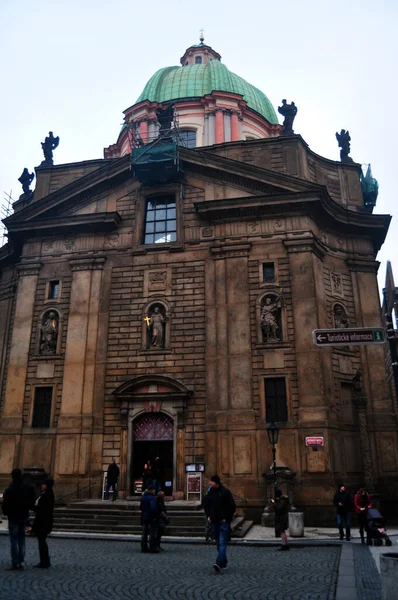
(196, 81)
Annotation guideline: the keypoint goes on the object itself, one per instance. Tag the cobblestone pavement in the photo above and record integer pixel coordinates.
(88, 569)
(366, 573)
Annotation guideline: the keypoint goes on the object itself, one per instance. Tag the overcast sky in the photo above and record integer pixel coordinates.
(73, 66)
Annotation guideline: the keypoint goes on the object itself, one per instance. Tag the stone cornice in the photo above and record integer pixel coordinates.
(87, 263)
(317, 204)
(363, 265)
(230, 250)
(26, 269)
(98, 222)
(305, 244)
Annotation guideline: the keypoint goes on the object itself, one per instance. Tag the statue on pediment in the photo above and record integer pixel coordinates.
(48, 146)
(289, 111)
(25, 180)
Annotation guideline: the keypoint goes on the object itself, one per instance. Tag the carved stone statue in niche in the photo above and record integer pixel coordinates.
(271, 318)
(340, 317)
(156, 325)
(49, 333)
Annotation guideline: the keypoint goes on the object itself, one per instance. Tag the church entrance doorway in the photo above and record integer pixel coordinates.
(153, 436)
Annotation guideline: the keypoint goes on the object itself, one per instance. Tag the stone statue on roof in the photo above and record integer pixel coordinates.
(26, 179)
(343, 138)
(49, 144)
(289, 111)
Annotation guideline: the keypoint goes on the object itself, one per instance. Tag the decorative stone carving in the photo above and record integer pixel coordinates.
(69, 244)
(340, 317)
(271, 318)
(156, 324)
(207, 232)
(49, 333)
(337, 284)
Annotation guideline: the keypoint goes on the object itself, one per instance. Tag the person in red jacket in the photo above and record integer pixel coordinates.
(362, 503)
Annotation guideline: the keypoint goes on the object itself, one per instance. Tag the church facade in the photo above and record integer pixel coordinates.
(161, 302)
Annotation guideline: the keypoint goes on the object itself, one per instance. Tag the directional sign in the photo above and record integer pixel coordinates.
(359, 336)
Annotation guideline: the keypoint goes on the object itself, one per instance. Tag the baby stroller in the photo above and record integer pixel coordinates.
(375, 529)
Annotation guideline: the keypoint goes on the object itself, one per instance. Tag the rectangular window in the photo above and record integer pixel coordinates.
(42, 407)
(160, 220)
(275, 400)
(53, 290)
(268, 273)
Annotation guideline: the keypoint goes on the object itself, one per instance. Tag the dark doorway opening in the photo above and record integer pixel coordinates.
(153, 436)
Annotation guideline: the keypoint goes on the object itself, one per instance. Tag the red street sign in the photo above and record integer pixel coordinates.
(359, 336)
(315, 441)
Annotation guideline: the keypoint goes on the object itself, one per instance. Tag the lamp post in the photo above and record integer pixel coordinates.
(273, 436)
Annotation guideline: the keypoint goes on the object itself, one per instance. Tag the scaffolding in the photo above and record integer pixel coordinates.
(5, 211)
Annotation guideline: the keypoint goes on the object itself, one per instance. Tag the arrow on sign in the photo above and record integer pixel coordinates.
(321, 338)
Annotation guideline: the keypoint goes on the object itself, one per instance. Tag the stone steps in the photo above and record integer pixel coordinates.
(125, 518)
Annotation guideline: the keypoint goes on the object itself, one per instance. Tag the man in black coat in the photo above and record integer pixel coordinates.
(149, 519)
(111, 480)
(220, 509)
(18, 500)
(43, 523)
(343, 502)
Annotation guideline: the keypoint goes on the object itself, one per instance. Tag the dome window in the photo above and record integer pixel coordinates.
(187, 138)
(198, 60)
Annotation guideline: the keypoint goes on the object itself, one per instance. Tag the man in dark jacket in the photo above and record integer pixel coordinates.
(43, 523)
(19, 498)
(220, 509)
(149, 519)
(111, 480)
(343, 502)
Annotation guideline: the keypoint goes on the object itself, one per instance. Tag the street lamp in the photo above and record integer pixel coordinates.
(273, 436)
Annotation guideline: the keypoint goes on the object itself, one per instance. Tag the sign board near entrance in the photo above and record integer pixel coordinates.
(315, 441)
(359, 336)
(194, 485)
(194, 467)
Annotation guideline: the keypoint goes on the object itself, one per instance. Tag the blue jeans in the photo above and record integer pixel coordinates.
(220, 532)
(347, 518)
(17, 539)
(108, 487)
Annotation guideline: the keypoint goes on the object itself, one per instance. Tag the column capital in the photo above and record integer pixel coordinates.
(30, 268)
(89, 263)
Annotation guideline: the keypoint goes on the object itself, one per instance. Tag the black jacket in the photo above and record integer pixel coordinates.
(19, 499)
(345, 499)
(219, 505)
(149, 507)
(281, 508)
(44, 509)
(113, 473)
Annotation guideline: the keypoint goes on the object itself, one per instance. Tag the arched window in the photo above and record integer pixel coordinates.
(187, 138)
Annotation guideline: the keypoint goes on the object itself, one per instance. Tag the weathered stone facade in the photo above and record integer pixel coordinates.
(242, 208)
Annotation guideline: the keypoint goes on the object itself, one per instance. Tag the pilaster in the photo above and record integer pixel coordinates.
(12, 413)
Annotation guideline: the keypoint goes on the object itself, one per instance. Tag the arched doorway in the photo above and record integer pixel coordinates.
(153, 436)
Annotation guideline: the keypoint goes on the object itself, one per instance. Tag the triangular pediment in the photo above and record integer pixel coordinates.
(87, 195)
(233, 190)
